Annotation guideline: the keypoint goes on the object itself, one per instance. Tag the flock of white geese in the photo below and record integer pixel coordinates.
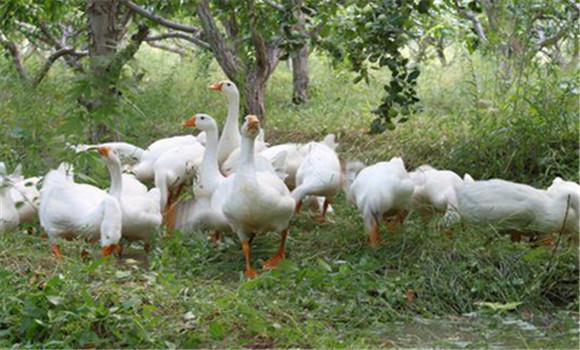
(242, 184)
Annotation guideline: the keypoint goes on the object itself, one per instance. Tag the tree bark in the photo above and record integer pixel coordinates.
(254, 95)
(102, 30)
(300, 61)
(300, 76)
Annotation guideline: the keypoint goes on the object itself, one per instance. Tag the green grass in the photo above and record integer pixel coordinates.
(421, 290)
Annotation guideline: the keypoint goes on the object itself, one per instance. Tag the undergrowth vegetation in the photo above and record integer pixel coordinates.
(332, 291)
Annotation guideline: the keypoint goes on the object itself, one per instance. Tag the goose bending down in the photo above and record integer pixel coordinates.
(434, 190)
(9, 217)
(68, 209)
(513, 206)
(174, 169)
(379, 189)
(144, 170)
(319, 174)
(127, 152)
(257, 201)
(141, 210)
(26, 196)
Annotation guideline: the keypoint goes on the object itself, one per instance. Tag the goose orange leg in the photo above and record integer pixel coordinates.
(56, 251)
(171, 212)
(298, 206)
(322, 217)
(275, 259)
(374, 239)
(250, 272)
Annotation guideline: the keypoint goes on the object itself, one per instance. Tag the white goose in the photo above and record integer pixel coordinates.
(173, 170)
(513, 206)
(434, 190)
(199, 211)
(26, 196)
(319, 174)
(379, 189)
(257, 202)
(230, 138)
(9, 217)
(68, 209)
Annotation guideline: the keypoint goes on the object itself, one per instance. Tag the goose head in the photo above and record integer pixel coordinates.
(251, 127)
(201, 121)
(226, 87)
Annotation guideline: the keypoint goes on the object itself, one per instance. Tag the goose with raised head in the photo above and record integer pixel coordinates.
(230, 138)
(377, 190)
(257, 202)
(199, 212)
(68, 209)
(319, 174)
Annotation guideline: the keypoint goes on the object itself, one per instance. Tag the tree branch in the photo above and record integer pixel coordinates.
(473, 18)
(177, 35)
(173, 49)
(160, 20)
(274, 4)
(225, 56)
(49, 62)
(16, 56)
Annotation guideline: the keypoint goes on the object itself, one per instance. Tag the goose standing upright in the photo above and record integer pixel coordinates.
(257, 202)
(230, 138)
(379, 189)
(68, 209)
(199, 212)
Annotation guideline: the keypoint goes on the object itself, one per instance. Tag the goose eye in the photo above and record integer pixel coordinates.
(228, 84)
(202, 118)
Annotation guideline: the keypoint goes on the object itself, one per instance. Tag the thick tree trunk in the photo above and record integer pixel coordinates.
(102, 30)
(254, 88)
(300, 60)
(300, 75)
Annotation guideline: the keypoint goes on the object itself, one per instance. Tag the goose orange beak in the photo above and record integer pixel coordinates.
(108, 249)
(104, 151)
(189, 122)
(216, 86)
(253, 121)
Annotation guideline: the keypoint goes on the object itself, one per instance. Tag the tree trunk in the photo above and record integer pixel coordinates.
(300, 60)
(440, 48)
(102, 30)
(254, 87)
(300, 76)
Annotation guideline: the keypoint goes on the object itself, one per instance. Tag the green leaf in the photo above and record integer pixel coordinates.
(499, 306)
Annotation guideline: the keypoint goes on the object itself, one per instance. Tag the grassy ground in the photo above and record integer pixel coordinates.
(423, 289)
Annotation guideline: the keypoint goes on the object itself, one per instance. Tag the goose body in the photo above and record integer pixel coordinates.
(434, 189)
(514, 206)
(319, 174)
(68, 209)
(141, 209)
(26, 197)
(9, 217)
(379, 189)
(145, 169)
(256, 202)
(176, 167)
